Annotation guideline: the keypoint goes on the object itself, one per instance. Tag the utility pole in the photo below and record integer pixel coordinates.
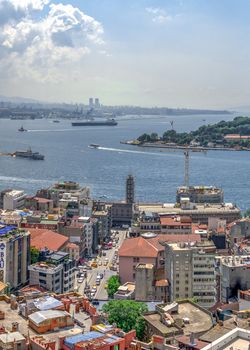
(186, 154)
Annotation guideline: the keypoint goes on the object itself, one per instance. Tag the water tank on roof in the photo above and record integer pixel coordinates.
(147, 235)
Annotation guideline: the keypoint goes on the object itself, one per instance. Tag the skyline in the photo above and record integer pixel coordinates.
(148, 53)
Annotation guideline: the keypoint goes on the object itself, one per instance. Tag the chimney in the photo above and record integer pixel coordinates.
(192, 339)
(15, 327)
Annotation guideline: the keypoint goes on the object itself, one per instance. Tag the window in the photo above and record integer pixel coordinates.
(177, 282)
(177, 275)
(177, 289)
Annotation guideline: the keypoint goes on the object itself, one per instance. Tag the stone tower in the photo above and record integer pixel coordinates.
(130, 189)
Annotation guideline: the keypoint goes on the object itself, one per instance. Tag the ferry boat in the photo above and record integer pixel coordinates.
(94, 122)
(29, 154)
(94, 145)
(22, 129)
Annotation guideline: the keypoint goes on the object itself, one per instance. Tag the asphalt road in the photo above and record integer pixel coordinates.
(101, 293)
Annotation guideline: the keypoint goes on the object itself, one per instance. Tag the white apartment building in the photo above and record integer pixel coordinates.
(88, 233)
(234, 274)
(190, 270)
(14, 200)
(46, 275)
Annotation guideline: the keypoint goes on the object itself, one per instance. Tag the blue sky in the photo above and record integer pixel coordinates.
(177, 53)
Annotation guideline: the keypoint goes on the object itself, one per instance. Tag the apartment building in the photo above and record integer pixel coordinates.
(88, 225)
(14, 255)
(234, 272)
(146, 249)
(14, 199)
(55, 274)
(190, 269)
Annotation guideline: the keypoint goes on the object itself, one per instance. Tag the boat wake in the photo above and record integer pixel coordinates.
(119, 150)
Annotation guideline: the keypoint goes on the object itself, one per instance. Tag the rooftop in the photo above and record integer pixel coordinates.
(43, 238)
(11, 337)
(142, 247)
(41, 316)
(169, 208)
(235, 339)
(199, 319)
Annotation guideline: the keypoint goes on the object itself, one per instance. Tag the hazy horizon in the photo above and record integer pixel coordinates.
(179, 54)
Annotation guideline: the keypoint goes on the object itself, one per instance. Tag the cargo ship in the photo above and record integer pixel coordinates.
(29, 154)
(93, 122)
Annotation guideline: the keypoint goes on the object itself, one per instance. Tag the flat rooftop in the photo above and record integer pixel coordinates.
(169, 208)
(199, 320)
(13, 316)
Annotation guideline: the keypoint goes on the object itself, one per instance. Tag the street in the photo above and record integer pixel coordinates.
(103, 266)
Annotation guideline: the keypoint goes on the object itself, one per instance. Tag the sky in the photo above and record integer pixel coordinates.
(172, 53)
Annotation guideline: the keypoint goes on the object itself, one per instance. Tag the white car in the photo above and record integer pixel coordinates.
(80, 280)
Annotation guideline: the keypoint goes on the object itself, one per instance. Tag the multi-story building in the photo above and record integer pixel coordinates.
(190, 269)
(150, 283)
(75, 230)
(88, 225)
(14, 255)
(39, 204)
(55, 274)
(200, 194)
(239, 231)
(146, 249)
(234, 274)
(14, 199)
(56, 191)
(199, 213)
(103, 213)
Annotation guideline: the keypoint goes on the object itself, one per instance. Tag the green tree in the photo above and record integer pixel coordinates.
(127, 315)
(34, 255)
(113, 285)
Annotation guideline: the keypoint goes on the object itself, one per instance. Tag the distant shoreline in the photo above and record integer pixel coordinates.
(176, 147)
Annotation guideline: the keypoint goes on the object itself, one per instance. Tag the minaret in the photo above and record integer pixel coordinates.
(130, 189)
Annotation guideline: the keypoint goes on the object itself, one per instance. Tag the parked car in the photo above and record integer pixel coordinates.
(98, 282)
(80, 280)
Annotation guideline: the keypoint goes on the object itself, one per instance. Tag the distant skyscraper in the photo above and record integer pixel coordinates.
(130, 189)
(91, 102)
(97, 103)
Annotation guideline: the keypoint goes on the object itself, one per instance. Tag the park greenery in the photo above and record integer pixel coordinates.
(127, 315)
(113, 285)
(211, 133)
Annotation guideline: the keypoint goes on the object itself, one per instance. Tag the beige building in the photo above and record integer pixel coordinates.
(150, 283)
(14, 200)
(14, 255)
(190, 269)
(200, 213)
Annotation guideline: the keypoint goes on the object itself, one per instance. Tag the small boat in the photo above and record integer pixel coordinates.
(22, 129)
(94, 145)
(56, 121)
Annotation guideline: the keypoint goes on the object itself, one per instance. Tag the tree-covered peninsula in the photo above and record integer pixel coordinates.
(230, 134)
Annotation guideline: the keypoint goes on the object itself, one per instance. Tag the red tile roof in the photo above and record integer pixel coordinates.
(169, 221)
(141, 247)
(41, 238)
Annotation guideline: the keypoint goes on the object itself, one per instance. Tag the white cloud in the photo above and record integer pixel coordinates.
(159, 15)
(39, 48)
